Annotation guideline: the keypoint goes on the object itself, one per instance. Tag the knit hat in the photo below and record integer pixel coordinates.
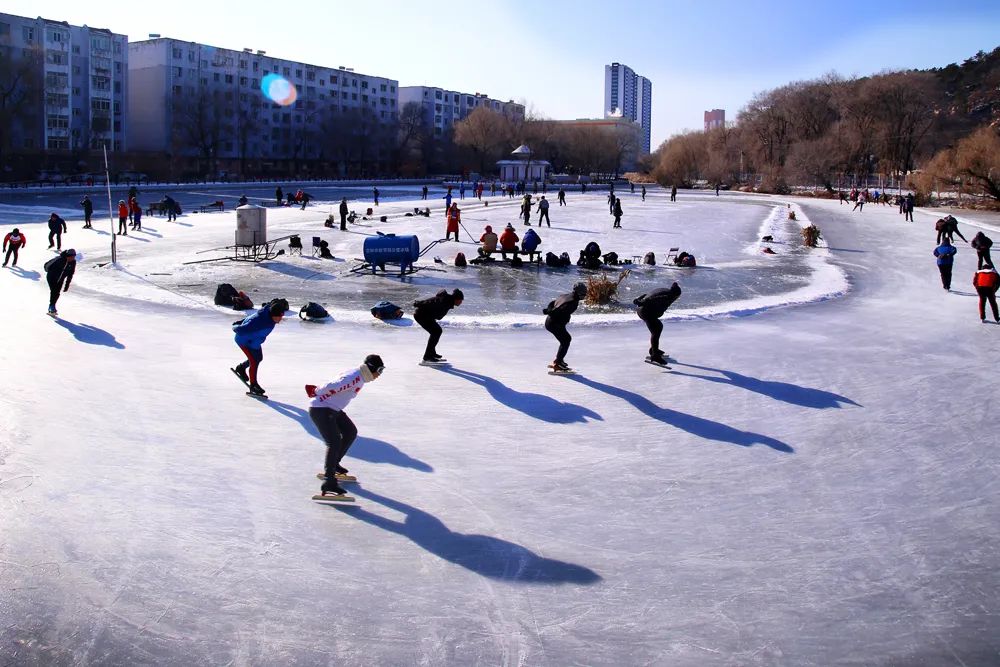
(70, 253)
(509, 226)
(489, 230)
(458, 295)
(374, 363)
(580, 289)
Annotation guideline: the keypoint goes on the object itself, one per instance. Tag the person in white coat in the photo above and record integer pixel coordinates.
(326, 409)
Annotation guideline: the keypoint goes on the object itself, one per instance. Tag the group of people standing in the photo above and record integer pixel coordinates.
(985, 279)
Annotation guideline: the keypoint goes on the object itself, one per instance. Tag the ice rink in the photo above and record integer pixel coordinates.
(814, 483)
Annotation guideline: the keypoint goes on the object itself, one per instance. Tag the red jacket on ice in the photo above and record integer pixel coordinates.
(14, 241)
(122, 210)
(986, 278)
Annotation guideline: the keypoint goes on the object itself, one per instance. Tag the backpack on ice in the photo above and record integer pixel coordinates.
(313, 311)
(516, 261)
(552, 259)
(460, 259)
(225, 294)
(242, 302)
(386, 310)
(564, 259)
(649, 258)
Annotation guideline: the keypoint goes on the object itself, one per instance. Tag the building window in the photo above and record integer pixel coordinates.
(255, 65)
(354, 96)
(178, 72)
(191, 57)
(76, 49)
(29, 34)
(118, 68)
(4, 29)
(286, 71)
(243, 81)
(229, 78)
(178, 91)
(382, 87)
(118, 86)
(310, 76)
(392, 89)
(216, 77)
(354, 83)
(333, 81)
(118, 126)
(437, 94)
(243, 64)
(178, 54)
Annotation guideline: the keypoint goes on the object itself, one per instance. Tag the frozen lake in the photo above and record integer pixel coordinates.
(813, 485)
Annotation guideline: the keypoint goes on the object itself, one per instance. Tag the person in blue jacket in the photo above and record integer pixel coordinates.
(530, 241)
(945, 254)
(250, 336)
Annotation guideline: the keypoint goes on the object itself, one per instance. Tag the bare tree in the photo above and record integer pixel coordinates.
(21, 90)
(486, 133)
(200, 125)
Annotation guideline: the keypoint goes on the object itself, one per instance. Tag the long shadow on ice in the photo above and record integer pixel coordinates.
(485, 555)
(703, 428)
(30, 275)
(780, 391)
(86, 333)
(538, 406)
(365, 449)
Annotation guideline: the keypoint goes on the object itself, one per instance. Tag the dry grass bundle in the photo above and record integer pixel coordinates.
(810, 235)
(601, 289)
(791, 214)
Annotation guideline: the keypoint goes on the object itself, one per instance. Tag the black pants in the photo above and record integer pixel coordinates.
(945, 270)
(655, 327)
(988, 294)
(431, 326)
(908, 217)
(11, 250)
(86, 218)
(55, 289)
(544, 214)
(337, 431)
(983, 256)
(122, 229)
(558, 329)
(55, 238)
(618, 221)
(343, 222)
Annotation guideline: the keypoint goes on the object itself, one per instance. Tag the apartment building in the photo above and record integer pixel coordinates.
(714, 119)
(190, 99)
(443, 108)
(75, 83)
(628, 95)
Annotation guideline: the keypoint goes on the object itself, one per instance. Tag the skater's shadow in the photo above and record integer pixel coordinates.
(703, 428)
(485, 555)
(86, 333)
(293, 271)
(151, 232)
(807, 397)
(961, 293)
(30, 275)
(399, 322)
(364, 449)
(134, 237)
(539, 406)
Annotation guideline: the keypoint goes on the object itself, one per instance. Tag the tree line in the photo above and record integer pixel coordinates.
(919, 128)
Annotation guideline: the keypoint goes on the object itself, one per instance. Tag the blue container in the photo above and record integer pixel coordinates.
(391, 249)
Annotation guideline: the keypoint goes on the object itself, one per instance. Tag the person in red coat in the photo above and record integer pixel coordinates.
(122, 217)
(454, 218)
(986, 282)
(11, 244)
(508, 241)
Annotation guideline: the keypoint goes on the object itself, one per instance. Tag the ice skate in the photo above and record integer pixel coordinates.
(340, 477)
(242, 374)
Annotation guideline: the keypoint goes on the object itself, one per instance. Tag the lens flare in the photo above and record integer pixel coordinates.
(278, 89)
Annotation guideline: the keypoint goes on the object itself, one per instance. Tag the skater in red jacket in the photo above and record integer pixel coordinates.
(11, 244)
(986, 282)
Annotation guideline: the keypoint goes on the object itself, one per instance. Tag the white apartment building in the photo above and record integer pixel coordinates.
(628, 95)
(443, 108)
(82, 77)
(170, 78)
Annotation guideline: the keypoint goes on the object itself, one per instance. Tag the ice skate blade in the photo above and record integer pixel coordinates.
(569, 372)
(334, 499)
(656, 363)
(435, 363)
(262, 397)
(340, 478)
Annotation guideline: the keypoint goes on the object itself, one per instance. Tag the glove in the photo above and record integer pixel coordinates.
(311, 390)
(66, 289)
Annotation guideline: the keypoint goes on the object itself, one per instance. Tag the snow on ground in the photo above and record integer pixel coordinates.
(810, 485)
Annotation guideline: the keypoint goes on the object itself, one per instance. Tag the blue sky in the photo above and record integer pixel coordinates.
(551, 53)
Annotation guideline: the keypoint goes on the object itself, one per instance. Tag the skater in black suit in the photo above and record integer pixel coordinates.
(651, 309)
(558, 312)
(427, 314)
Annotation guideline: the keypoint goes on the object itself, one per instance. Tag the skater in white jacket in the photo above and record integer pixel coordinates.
(326, 409)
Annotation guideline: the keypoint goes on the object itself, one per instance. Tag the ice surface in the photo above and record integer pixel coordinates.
(812, 485)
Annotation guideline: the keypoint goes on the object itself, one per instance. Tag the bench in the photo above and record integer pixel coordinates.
(214, 206)
(534, 256)
(156, 207)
